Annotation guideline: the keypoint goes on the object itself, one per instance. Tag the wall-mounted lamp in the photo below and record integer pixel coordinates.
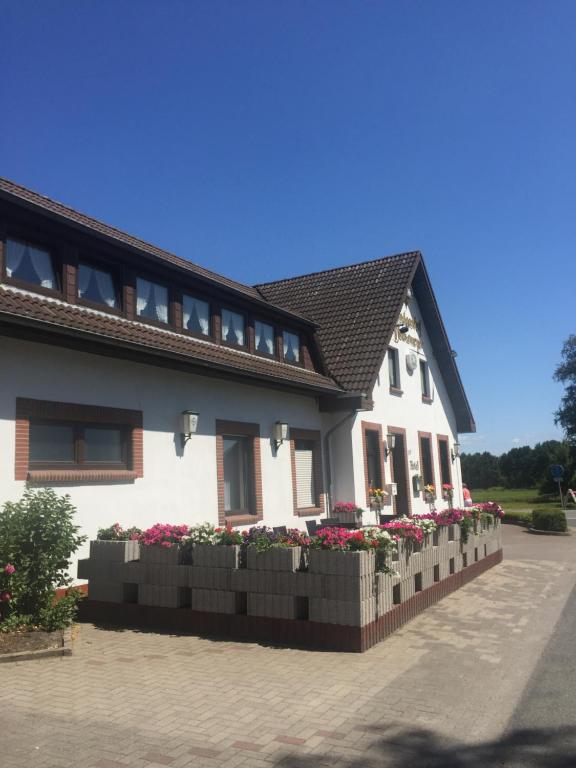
(280, 433)
(455, 452)
(188, 425)
(390, 444)
(402, 328)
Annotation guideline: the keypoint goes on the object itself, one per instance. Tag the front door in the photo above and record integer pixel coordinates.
(400, 475)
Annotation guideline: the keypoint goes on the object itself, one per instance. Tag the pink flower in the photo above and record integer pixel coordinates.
(10, 569)
(5, 597)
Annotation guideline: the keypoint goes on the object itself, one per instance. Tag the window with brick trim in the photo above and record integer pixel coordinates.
(59, 442)
(307, 474)
(239, 472)
(372, 443)
(444, 460)
(426, 461)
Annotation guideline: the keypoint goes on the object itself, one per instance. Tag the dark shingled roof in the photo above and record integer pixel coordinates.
(100, 328)
(23, 196)
(357, 307)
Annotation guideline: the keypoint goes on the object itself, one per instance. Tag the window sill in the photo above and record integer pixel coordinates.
(309, 511)
(427, 400)
(396, 392)
(242, 518)
(80, 475)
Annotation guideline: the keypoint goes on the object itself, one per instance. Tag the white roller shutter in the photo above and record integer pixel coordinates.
(305, 490)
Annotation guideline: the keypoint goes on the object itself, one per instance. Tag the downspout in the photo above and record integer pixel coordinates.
(327, 453)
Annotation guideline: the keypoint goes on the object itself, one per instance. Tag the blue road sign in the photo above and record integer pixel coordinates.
(557, 471)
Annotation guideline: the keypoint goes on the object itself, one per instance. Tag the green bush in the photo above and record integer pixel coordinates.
(520, 518)
(38, 537)
(549, 520)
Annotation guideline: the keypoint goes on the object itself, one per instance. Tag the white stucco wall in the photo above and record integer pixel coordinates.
(177, 487)
(410, 413)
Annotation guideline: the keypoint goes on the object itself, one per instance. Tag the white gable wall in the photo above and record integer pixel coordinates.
(408, 412)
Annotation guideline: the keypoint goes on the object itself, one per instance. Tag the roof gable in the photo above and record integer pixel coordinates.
(356, 309)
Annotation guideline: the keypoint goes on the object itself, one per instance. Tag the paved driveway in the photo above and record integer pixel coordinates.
(440, 692)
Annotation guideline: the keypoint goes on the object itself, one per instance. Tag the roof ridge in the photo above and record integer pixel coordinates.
(338, 269)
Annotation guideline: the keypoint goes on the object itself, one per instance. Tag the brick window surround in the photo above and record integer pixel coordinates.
(27, 410)
(239, 429)
(432, 480)
(444, 439)
(314, 436)
(368, 426)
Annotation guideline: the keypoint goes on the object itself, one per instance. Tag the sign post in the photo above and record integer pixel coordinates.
(557, 472)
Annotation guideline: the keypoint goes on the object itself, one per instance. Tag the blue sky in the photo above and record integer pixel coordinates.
(265, 138)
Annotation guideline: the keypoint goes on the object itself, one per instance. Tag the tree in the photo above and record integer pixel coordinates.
(480, 470)
(517, 467)
(565, 373)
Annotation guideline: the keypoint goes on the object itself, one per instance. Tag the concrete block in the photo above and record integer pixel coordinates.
(274, 559)
(274, 606)
(165, 575)
(107, 591)
(349, 588)
(220, 556)
(339, 612)
(203, 577)
(160, 555)
(162, 596)
(342, 563)
(407, 589)
(114, 551)
(215, 601)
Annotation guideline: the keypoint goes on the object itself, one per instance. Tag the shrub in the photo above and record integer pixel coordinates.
(117, 533)
(549, 520)
(518, 518)
(37, 539)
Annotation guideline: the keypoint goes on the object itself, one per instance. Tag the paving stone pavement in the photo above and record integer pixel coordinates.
(444, 685)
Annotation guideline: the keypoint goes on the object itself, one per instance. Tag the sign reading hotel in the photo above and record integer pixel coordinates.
(413, 325)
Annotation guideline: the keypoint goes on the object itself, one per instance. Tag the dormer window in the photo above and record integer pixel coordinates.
(196, 315)
(30, 264)
(232, 327)
(151, 300)
(291, 347)
(264, 338)
(97, 286)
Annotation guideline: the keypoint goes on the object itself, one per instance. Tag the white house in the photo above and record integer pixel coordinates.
(153, 390)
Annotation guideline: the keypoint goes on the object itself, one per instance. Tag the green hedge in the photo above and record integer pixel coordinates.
(549, 520)
(517, 518)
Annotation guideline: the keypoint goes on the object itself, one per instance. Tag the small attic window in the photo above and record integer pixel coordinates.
(291, 347)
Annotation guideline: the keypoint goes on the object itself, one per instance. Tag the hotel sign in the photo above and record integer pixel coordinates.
(413, 325)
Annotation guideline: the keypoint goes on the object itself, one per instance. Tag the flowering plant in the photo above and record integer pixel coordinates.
(5, 584)
(363, 539)
(201, 534)
(400, 529)
(226, 536)
(425, 522)
(491, 508)
(448, 492)
(164, 535)
(264, 538)
(117, 533)
(376, 496)
(343, 509)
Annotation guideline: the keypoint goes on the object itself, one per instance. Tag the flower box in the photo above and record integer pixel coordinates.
(342, 563)
(160, 555)
(216, 555)
(114, 551)
(274, 558)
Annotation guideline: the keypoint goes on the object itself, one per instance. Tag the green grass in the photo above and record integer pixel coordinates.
(517, 498)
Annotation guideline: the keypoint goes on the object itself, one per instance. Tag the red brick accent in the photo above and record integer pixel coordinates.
(444, 439)
(27, 409)
(290, 740)
(401, 431)
(70, 278)
(246, 429)
(433, 481)
(308, 434)
(369, 426)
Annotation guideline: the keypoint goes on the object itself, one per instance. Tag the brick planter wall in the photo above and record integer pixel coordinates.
(340, 603)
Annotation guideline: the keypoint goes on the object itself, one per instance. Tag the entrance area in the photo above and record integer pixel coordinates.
(400, 474)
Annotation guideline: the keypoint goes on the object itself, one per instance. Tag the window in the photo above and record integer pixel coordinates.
(30, 264)
(97, 286)
(426, 458)
(196, 315)
(291, 347)
(425, 379)
(238, 472)
(373, 459)
(307, 479)
(151, 300)
(445, 471)
(393, 368)
(263, 338)
(63, 442)
(232, 327)
(54, 445)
